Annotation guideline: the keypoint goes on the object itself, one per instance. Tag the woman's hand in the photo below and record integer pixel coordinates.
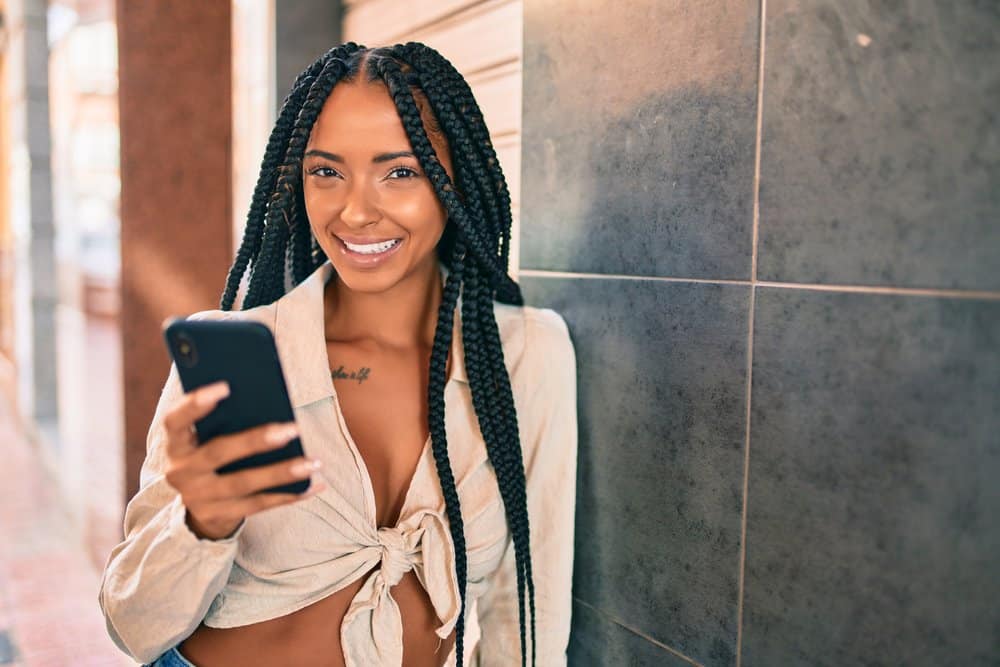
(217, 504)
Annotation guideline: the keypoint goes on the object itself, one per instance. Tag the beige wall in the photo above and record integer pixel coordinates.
(253, 100)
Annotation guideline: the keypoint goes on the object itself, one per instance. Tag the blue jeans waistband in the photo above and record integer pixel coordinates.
(171, 658)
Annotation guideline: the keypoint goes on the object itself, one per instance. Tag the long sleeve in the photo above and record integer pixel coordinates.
(549, 441)
(159, 582)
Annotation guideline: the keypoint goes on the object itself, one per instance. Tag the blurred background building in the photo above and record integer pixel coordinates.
(773, 229)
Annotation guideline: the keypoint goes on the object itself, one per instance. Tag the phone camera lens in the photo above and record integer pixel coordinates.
(186, 353)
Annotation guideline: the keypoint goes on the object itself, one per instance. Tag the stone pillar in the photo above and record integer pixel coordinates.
(176, 233)
(30, 211)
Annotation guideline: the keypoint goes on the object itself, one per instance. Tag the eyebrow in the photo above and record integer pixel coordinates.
(381, 157)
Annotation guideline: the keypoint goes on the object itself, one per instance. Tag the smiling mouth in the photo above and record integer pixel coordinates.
(371, 248)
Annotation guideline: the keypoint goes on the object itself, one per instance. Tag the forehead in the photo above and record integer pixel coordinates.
(358, 115)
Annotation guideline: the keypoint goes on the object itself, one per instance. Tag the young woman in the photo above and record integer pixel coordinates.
(442, 449)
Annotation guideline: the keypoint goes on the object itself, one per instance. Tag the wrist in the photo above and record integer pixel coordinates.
(214, 533)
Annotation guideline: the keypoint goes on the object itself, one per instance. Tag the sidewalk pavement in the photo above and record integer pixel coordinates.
(49, 614)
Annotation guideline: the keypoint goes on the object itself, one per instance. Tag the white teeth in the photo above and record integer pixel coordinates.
(371, 248)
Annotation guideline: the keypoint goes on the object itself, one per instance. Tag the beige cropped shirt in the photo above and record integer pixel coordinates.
(162, 581)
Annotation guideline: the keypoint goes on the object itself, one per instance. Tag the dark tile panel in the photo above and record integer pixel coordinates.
(638, 145)
(303, 31)
(597, 642)
(872, 534)
(881, 144)
(661, 377)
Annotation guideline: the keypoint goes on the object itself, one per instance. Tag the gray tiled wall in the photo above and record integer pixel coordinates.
(303, 31)
(639, 151)
(879, 162)
(872, 534)
(855, 322)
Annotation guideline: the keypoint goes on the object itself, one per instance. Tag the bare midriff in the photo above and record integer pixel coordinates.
(310, 637)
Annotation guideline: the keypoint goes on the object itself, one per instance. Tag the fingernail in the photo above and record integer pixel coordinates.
(305, 468)
(213, 393)
(282, 433)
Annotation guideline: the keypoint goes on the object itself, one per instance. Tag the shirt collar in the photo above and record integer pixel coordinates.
(299, 335)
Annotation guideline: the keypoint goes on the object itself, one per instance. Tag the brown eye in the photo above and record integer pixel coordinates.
(406, 171)
(322, 172)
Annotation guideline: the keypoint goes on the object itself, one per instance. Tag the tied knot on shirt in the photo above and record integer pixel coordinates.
(395, 561)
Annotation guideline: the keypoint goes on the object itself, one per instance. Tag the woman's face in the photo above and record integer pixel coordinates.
(362, 185)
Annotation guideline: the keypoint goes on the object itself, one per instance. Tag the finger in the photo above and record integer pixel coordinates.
(228, 448)
(242, 483)
(179, 420)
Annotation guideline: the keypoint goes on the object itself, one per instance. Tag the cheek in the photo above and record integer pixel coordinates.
(316, 203)
(417, 208)
(413, 210)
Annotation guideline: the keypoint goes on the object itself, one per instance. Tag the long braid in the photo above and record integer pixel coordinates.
(444, 76)
(401, 95)
(475, 246)
(469, 168)
(505, 450)
(472, 118)
(479, 311)
(502, 410)
(500, 424)
(280, 222)
(301, 251)
(276, 146)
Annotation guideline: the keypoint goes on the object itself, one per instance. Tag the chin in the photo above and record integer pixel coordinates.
(367, 279)
(366, 283)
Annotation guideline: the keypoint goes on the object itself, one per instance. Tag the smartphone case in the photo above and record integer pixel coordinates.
(242, 353)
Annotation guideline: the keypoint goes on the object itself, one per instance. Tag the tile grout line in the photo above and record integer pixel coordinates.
(991, 295)
(543, 273)
(877, 289)
(741, 576)
(638, 633)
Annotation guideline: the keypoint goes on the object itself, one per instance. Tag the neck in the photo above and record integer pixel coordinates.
(404, 316)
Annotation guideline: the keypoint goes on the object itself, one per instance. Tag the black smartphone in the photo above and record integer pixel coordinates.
(243, 354)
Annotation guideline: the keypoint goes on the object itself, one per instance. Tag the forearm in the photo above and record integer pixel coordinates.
(160, 581)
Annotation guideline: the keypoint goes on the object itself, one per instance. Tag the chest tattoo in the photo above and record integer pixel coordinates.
(360, 375)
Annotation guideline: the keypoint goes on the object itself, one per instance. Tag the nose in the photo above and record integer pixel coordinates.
(359, 207)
